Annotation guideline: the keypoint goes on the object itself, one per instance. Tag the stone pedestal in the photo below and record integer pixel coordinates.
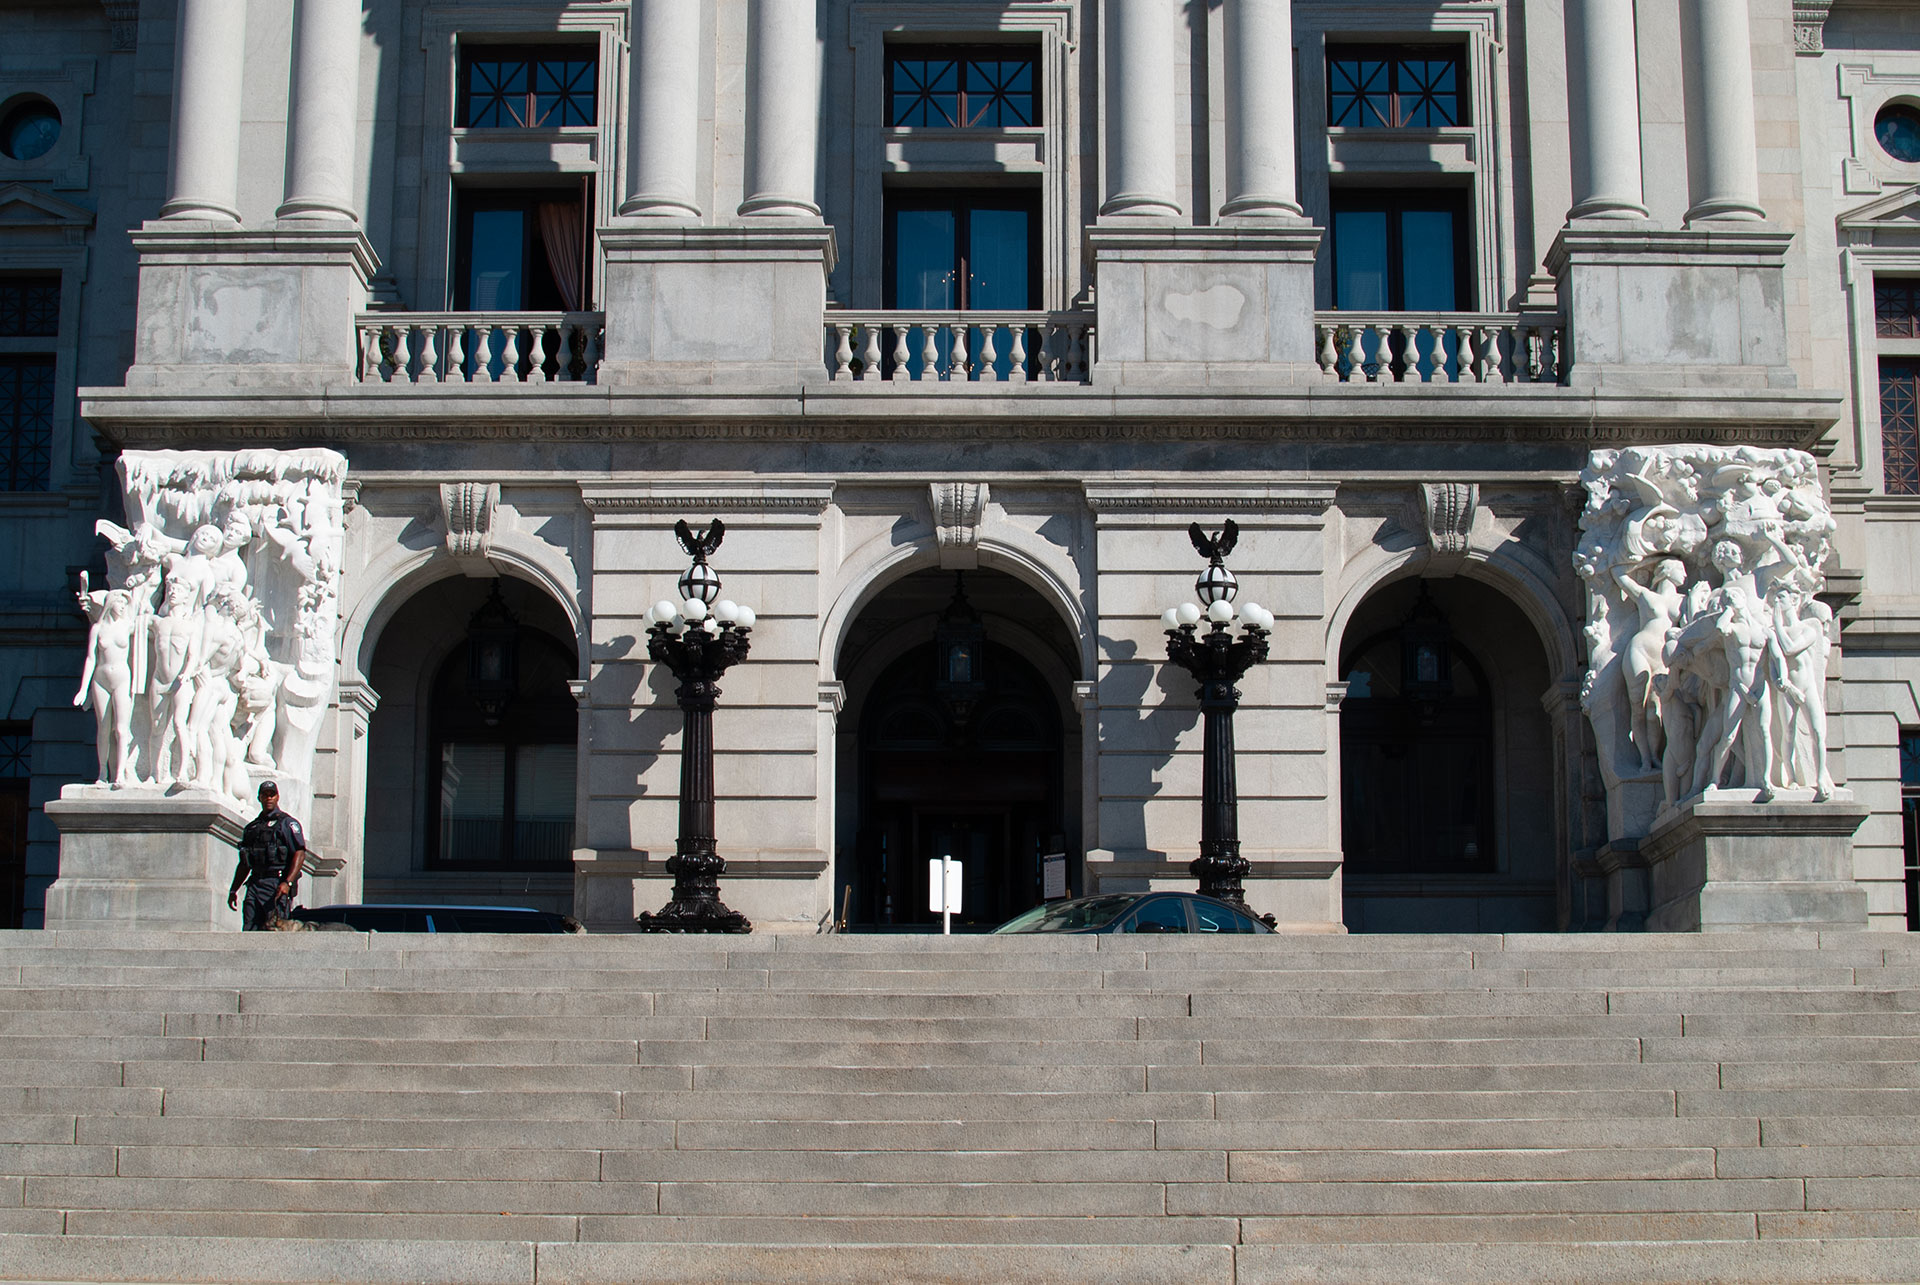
(1722, 862)
(711, 305)
(268, 306)
(1230, 304)
(1662, 307)
(143, 858)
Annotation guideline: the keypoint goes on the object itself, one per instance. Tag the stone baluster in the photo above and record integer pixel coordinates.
(1357, 355)
(1603, 92)
(870, 352)
(930, 352)
(663, 109)
(1017, 352)
(510, 353)
(209, 60)
(457, 352)
(429, 355)
(326, 100)
(1723, 164)
(370, 359)
(1139, 40)
(1260, 162)
(843, 349)
(783, 108)
(1329, 357)
(989, 353)
(902, 370)
(537, 356)
(590, 352)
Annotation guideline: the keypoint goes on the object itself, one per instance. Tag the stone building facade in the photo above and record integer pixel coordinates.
(958, 314)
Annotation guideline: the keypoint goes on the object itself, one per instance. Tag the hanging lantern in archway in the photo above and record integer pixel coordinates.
(493, 656)
(1426, 651)
(960, 640)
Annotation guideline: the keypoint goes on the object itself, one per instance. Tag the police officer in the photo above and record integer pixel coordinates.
(273, 852)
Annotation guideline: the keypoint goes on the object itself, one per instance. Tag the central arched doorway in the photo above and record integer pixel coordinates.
(956, 741)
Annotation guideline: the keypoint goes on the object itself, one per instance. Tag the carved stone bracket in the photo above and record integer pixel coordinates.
(1809, 26)
(124, 15)
(1446, 516)
(467, 508)
(957, 510)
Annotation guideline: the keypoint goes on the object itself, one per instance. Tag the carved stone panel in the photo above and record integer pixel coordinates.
(467, 509)
(957, 510)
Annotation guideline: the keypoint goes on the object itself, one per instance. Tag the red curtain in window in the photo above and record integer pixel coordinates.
(565, 242)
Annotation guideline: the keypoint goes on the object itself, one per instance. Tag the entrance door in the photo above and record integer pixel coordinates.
(979, 782)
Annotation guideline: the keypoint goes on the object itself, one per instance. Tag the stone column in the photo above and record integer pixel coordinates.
(1723, 168)
(209, 55)
(783, 109)
(663, 85)
(1260, 163)
(1139, 40)
(326, 78)
(1603, 99)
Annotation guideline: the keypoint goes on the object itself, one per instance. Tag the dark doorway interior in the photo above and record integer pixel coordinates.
(974, 776)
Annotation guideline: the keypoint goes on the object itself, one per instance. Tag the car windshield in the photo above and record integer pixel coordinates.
(1069, 916)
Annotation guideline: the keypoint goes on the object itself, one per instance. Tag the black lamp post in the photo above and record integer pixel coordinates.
(699, 639)
(1216, 659)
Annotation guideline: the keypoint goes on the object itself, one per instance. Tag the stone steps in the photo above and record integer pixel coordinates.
(335, 1106)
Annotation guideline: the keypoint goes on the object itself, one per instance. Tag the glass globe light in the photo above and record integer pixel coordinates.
(694, 609)
(700, 582)
(1220, 611)
(1216, 584)
(1170, 617)
(726, 611)
(743, 617)
(663, 611)
(1187, 613)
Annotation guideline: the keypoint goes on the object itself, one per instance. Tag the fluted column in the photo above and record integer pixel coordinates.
(783, 108)
(209, 56)
(1603, 97)
(663, 109)
(1139, 42)
(326, 80)
(1260, 163)
(1723, 164)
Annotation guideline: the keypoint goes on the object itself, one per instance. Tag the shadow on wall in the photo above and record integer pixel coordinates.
(1139, 734)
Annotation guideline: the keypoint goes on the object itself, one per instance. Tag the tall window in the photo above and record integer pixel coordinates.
(522, 250)
(16, 771)
(949, 249)
(1395, 87)
(504, 788)
(1896, 315)
(1400, 250)
(537, 87)
(29, 315)
(1910, 822)
(954, 87)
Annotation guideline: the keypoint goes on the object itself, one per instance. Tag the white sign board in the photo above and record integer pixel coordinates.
(943, 894)
(1053, 876)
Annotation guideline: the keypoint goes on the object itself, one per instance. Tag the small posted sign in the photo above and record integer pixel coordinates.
(943, 890)
(1053, 876)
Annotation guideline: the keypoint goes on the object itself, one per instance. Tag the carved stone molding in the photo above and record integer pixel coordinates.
(958, 508)
(467, 509)
(125, 17)
(1446, 516)
(1809, 26)
(831, 698)
(613, 498)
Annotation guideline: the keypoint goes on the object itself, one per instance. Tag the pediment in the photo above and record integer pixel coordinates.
(23, 206)
(1896, 211)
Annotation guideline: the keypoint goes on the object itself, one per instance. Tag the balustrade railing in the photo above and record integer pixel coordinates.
(960, 347)
(480, 347)
(1440, 347)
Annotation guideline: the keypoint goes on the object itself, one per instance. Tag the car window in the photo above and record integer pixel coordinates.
(1159, 915)
(1220, 919)
(1069, 916)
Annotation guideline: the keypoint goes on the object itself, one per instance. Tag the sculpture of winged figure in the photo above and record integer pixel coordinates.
(699, 547)
(1213, 548)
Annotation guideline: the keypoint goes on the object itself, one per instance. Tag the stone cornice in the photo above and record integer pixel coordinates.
(614, 497)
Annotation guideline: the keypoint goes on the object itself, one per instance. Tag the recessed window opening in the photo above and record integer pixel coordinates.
(522, 249)
(1400, 250)
(1897, 130)
(30, 306)
(963, 87)
(1396, 87)
(30, 129)
(528, 87)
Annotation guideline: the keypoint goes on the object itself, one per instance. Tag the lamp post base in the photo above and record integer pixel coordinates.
(696, 906)
(1220, 870)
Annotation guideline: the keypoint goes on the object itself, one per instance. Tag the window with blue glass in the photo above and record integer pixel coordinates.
(949, 87)
(522, 249)
(952, 250)
(1389, 87)
(1910, 821)
(537, 87)
(1400, 250)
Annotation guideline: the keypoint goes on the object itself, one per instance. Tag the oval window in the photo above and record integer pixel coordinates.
(1897, 128)
(30, 130)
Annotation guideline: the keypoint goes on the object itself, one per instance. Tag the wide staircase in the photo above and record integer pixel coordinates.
(342, 1107)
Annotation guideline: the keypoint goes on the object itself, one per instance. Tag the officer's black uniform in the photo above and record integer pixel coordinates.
(267, 848)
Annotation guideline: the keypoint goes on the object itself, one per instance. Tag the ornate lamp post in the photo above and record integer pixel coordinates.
(1217, 659)
(699, 638)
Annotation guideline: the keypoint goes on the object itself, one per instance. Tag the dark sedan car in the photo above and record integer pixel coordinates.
(436, 919)
(1136, 912)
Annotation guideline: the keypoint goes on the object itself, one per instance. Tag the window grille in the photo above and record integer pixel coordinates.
(1910, 821)
(545, 88)
(29, 307)
(995, 87)
(26, 422)
(1900, 424)
(1381, 87)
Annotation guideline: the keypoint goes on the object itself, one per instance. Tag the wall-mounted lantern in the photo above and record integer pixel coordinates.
(493, 656)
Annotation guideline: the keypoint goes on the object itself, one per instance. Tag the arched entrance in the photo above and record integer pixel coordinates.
(471, 753)
(1447, 764)
(956, 741)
